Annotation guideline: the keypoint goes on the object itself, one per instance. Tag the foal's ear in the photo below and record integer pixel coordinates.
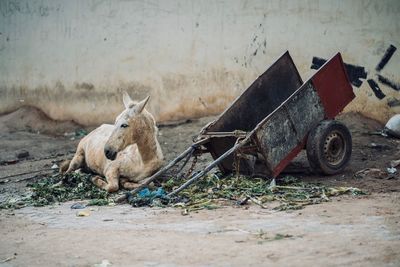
(137, 108)
(128, 102)
(140, 106)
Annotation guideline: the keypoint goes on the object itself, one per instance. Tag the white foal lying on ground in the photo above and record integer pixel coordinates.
(125, 153)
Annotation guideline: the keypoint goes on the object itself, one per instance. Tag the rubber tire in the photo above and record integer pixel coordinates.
(315, 147)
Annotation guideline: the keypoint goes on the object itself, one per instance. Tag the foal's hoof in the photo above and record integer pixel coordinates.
(112, 189)
(95, 179)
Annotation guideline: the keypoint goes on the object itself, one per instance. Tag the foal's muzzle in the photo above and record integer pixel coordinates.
(110, 154)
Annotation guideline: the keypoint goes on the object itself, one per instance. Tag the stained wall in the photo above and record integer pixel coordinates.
(72, 59)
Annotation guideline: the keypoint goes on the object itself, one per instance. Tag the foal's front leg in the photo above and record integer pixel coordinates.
(112, 176)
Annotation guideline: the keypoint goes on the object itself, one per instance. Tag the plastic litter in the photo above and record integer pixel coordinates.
(391, 170)
(146, 197)
(146, 193)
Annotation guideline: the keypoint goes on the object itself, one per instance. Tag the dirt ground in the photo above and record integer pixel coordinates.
(349, 230)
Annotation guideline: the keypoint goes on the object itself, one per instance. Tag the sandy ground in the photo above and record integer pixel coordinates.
(350, 231)
(358, 232)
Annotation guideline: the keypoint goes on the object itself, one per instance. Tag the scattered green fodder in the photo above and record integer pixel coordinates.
(58, 188)
(264, 237)
(212, 190)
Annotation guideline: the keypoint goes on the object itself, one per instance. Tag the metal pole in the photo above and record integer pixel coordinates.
(193, 178)
(148, 180)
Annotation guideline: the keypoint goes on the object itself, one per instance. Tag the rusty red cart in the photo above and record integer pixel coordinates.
(274, 119)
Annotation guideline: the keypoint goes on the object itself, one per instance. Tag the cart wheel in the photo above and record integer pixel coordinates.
(329, 147)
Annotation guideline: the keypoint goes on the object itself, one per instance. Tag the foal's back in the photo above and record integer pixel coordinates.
(93, 148)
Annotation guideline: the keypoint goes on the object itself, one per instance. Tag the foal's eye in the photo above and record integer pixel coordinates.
(124, 125)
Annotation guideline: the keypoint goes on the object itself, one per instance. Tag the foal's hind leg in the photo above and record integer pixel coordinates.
(111, 185)
(77, 161)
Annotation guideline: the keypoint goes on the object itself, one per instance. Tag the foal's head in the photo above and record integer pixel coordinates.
(131, 125)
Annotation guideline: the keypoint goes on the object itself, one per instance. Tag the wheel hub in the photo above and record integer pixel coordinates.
(334, 148)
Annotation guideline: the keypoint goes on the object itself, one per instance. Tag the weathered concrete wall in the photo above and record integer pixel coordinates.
(73, 58)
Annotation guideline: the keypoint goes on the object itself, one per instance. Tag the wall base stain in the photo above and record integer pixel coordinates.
(172, 97)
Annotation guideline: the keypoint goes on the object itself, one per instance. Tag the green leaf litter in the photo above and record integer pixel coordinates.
(214, 191)
(58, 188)
(211, 192)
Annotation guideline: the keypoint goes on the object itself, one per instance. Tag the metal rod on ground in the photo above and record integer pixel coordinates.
(185, 162)
(193, 178)
(148, 180)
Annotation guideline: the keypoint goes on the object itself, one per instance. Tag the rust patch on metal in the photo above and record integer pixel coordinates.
(263, 96)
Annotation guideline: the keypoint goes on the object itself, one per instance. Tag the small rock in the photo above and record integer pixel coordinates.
(371, 173)
(22, 154)
(77, 206)
(108, 220)
(185, 212)
(83, 213)
(8, 259)
(55, 166)
(11, 161)
(69, 133)
(104, 263)
(243, 201)
(380, 147)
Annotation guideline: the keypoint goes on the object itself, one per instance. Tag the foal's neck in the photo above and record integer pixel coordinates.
(148, 146)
